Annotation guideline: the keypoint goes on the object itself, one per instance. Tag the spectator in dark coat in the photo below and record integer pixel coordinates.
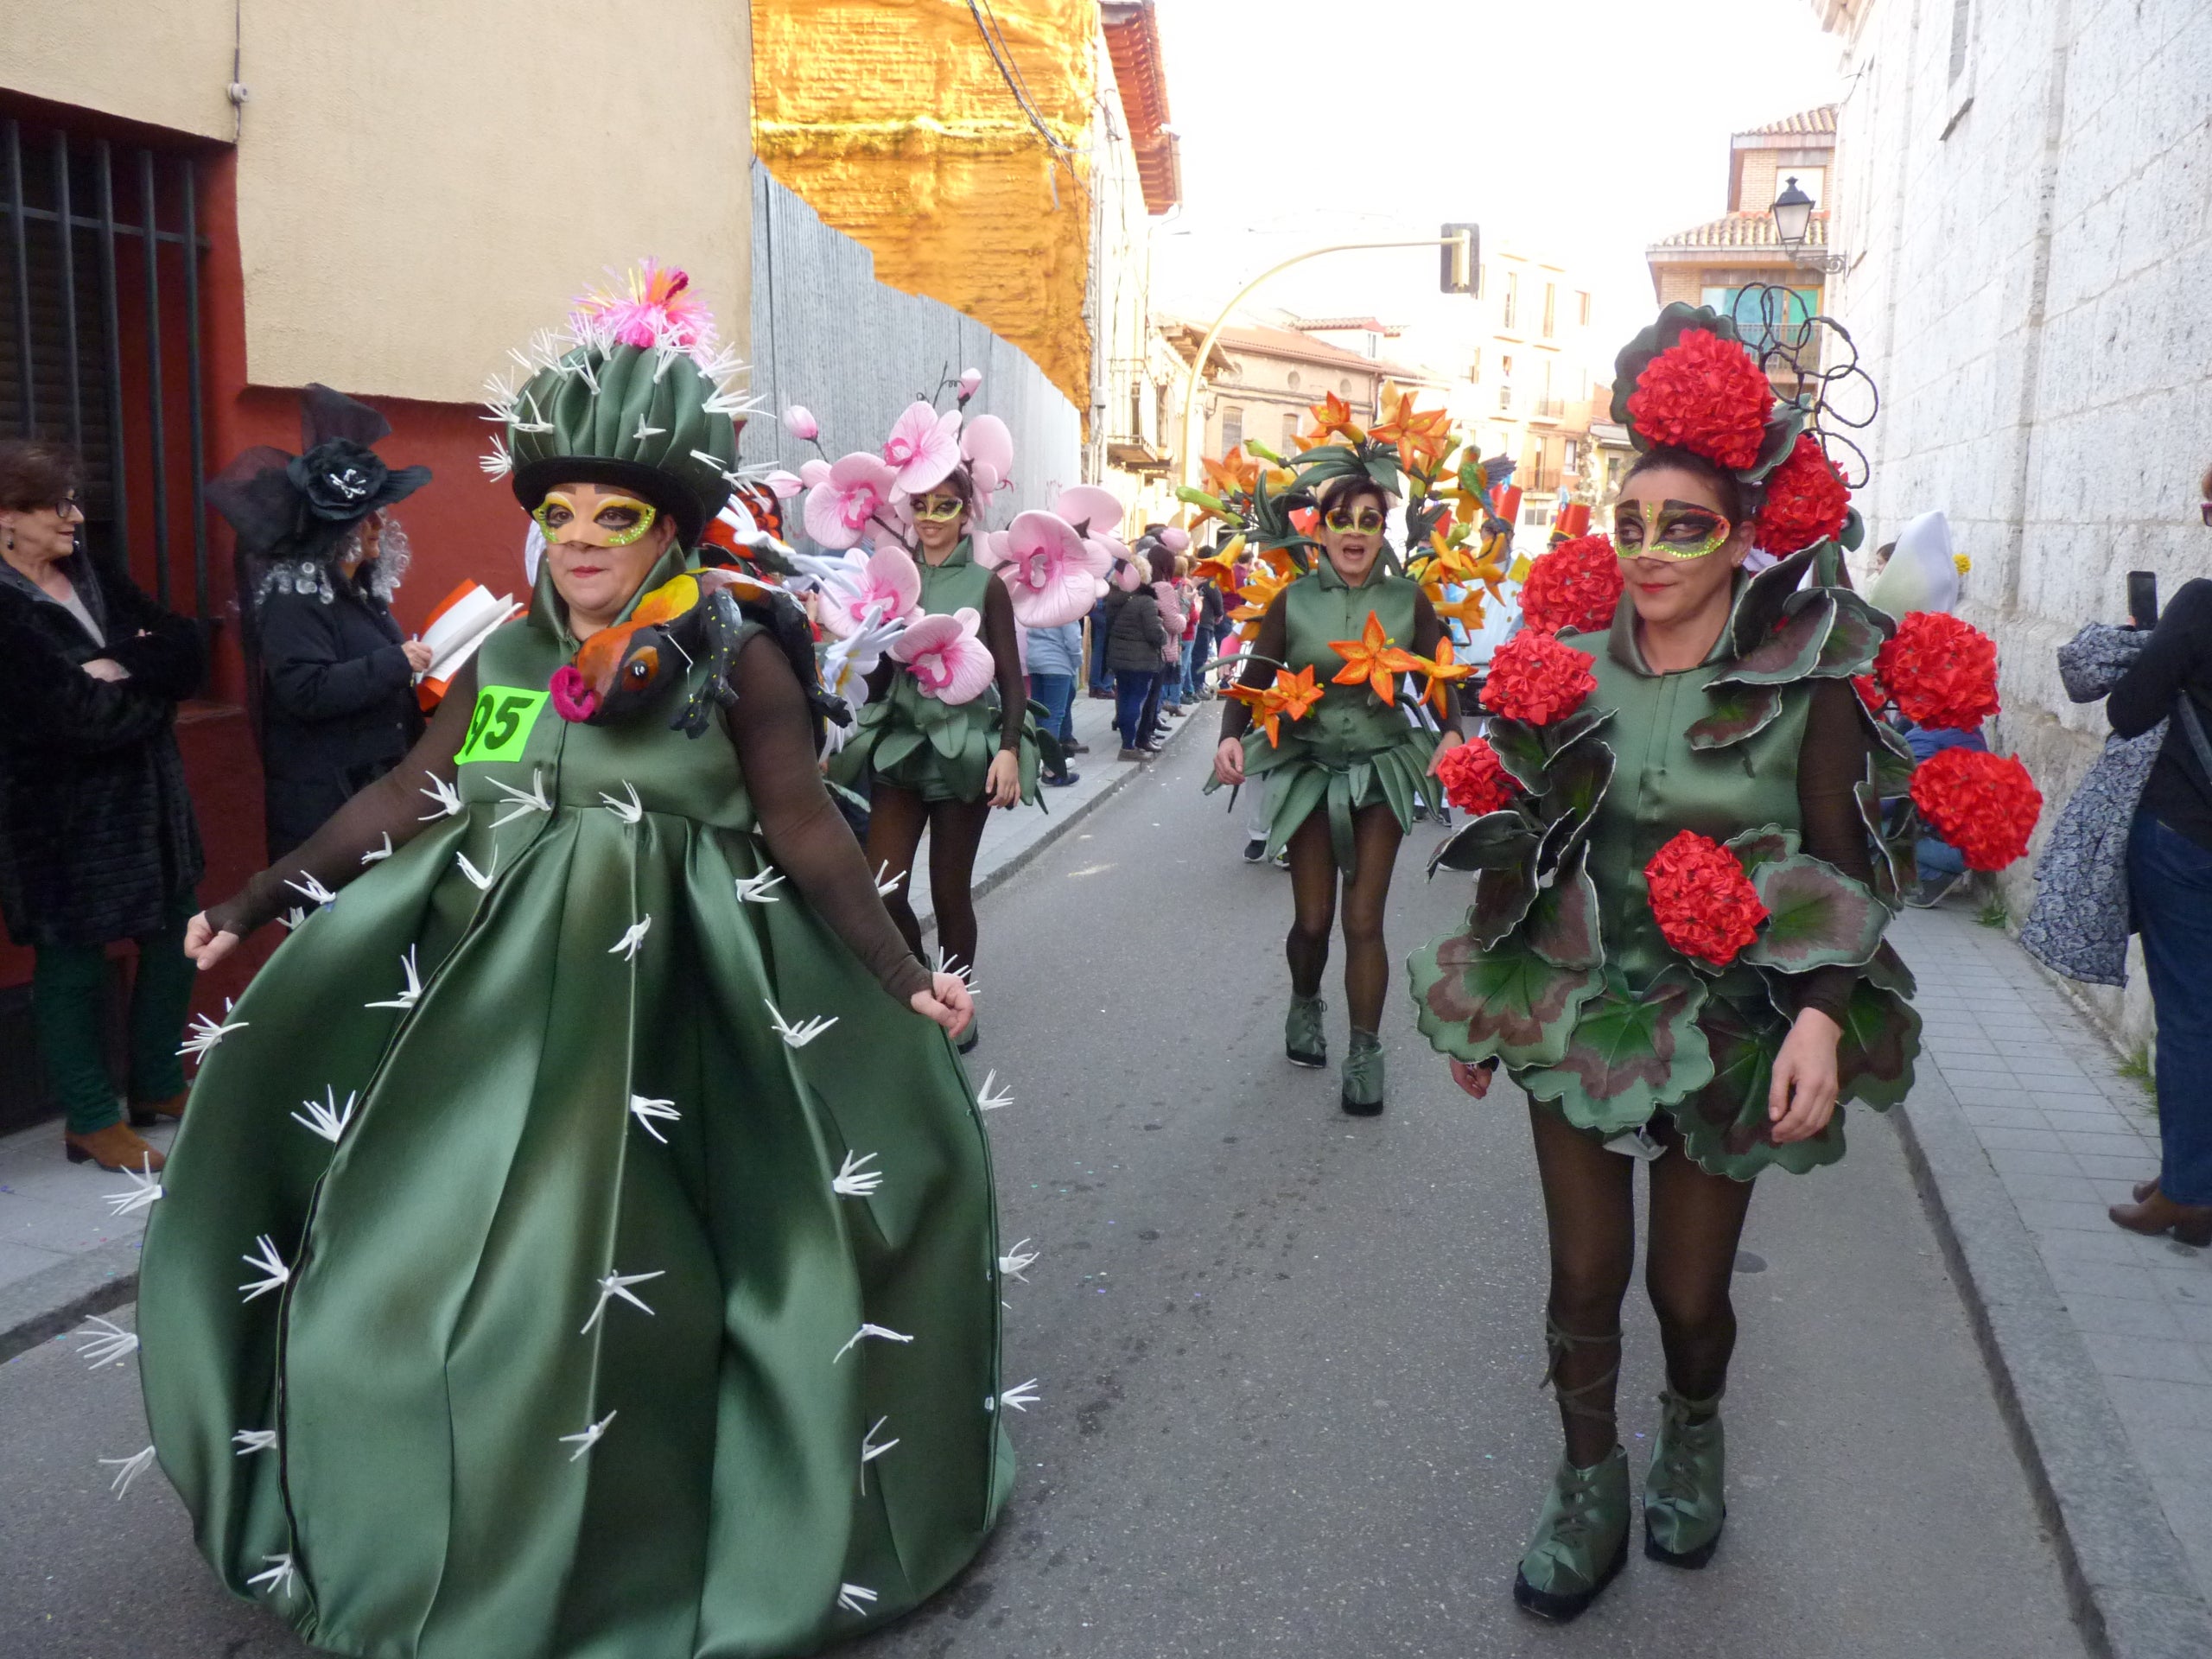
(320, 557)
(338, 679)
(1134, 641)
(96, 838)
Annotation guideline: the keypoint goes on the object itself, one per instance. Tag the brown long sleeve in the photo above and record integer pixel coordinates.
(1832, 761)
(393, 805)
(1006, 658)
(807, 836)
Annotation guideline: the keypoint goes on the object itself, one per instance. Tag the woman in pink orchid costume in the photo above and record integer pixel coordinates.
(944, 734)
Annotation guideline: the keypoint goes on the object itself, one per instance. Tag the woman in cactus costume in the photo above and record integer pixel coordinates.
(621, 1275)
(1675, 946)
(1325, 710)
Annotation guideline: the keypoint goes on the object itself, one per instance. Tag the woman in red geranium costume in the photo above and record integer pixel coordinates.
(1675, 946)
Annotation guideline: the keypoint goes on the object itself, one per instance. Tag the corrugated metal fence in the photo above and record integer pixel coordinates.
(828, 335)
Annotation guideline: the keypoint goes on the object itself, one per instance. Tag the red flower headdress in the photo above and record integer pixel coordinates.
(1984, 804)
(1534, 678)
(1474, 780)
(1574, 587)
(1706, 394)
(1705, 905)
(1806, 502)
(1940, 671)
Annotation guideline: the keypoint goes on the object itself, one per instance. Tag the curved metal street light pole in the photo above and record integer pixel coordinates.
(1191, 446)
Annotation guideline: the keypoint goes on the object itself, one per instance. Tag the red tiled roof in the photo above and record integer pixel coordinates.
(1822, 120)
(1289, 343)
(1132, 33)
(1344, 325)
(1742, 230)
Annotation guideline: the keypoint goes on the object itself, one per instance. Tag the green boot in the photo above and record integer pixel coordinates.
(1301, 1032)
(1580, 1541)
(1683, 1503)
(1581, 1538)
(1363, 1095)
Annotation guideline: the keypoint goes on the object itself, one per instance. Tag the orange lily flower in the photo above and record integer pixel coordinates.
(1294, 695)
(1233, 474)
(1299, 691)
(1333, 415)
(1220, 568)
(1443, 672)
(1467, 612)
(1258, 593)
(1374, 659)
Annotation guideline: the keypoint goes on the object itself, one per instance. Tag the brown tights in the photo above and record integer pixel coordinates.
(896, 819)
(1690, 1256)
(1375, 836)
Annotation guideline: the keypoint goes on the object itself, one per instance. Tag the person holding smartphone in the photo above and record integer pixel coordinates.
(2170, 894)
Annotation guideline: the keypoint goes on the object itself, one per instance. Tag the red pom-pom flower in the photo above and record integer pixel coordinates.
(1806, 503)
(1705, 905)
(1984, 804)
(1940, 671)
(1574, 587)
(1534, 678)
(1871, 693)
(1474, 779)
(1706, 394)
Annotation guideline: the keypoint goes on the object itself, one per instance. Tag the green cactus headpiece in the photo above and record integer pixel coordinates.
(633, 392)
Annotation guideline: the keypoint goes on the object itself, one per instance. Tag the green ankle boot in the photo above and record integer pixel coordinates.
(1302, 1040)
(1683, 1503)
(1363, 1093)
(1580, 1543)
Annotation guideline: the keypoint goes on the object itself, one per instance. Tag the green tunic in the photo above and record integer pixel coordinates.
(941, 751)
(1560, 970)
(447, 1343)
(1352, 749)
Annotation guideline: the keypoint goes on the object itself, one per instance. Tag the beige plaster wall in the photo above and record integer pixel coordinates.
(166, 63)
(421, 184)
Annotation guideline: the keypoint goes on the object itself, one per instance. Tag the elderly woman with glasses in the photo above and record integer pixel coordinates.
(96, 838)
(1342, 772)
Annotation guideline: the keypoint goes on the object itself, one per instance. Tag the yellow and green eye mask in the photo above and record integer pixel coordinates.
(617, 521)
(1668, 530)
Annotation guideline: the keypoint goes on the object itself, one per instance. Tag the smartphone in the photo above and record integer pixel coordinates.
(2143, 598)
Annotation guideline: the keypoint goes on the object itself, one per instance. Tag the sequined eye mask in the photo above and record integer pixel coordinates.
(589, 532)
(1668, 530)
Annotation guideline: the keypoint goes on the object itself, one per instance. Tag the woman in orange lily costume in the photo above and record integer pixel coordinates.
(1326, 708)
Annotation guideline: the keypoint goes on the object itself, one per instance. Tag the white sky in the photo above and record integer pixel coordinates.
(1579, 129)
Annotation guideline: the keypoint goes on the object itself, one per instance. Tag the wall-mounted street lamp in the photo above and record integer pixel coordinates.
(1793, 224)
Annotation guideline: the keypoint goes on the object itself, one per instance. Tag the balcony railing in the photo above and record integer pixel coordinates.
(1548, 409)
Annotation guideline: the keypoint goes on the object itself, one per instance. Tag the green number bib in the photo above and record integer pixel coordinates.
(500, 726)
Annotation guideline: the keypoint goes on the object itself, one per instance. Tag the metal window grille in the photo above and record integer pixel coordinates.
(100, 323)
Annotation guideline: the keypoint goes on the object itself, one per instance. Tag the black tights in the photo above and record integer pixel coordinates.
(1375, 836)
(896, 819)
(1690, 1256)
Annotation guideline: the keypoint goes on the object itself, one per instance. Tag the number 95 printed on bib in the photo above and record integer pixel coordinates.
(500, 725)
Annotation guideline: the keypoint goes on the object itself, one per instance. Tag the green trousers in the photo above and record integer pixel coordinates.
(69, 985)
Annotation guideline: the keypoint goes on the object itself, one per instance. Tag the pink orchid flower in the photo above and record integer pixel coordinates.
(971, 381)
(923, 446)
(839, 506)
(989, 445)
(784, 484)
(945, 656)
(799, 422)
(1050, 572)
(1094, 512)
(886, 582)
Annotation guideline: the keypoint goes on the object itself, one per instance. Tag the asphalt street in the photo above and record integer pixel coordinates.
(1289, 1360)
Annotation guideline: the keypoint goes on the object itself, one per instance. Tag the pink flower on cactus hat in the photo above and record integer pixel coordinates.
(845, 497)
(945, 656)
(923, 446)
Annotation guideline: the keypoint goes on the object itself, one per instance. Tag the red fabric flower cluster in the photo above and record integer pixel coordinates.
(1574, 587)
(1534, 678)
(1871, 693)
(1705, 905)
(1939, 670)
(1706, 394)
(1806, 503)
(1474, 779)
(1984, 804)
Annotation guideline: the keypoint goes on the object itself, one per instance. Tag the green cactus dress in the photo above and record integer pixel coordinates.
(575, 1246)
(942, 750)
(1559, 969)
(1352, 749)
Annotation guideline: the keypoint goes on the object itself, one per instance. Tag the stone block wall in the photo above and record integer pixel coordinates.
(2026, 209)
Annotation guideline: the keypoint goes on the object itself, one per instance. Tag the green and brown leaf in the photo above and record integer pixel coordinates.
(1474, 1001)
(1631, 1053)
(1739, 712)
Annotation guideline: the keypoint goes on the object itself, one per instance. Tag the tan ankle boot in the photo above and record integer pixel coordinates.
(115, 1148)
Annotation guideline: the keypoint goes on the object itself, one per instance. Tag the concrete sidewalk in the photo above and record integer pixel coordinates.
(2100, 1341)
(63, 1256)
